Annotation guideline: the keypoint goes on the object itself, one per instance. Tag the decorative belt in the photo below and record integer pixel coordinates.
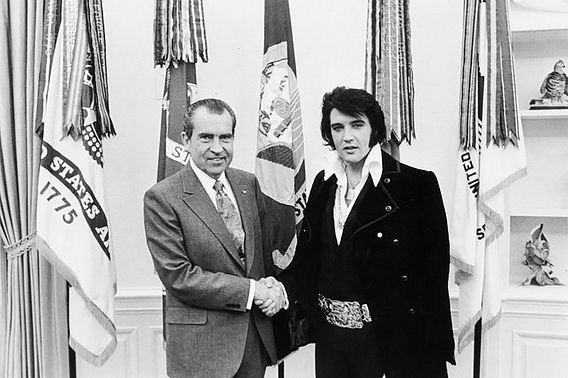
(345, 314)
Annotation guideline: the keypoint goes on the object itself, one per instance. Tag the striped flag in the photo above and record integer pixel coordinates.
(179, 41)
(388, 68)
(72, 227)
(280, 142)
(492, 156)
(180, 90)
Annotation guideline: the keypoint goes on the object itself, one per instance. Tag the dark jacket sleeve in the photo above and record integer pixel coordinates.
(300, 278)
(439, 335)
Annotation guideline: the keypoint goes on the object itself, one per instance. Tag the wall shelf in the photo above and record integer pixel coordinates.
(544, 114)
(531, 293)
(539, 35)
(538, 213)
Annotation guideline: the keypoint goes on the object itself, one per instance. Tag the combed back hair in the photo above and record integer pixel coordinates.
(355, 103)
(213, 105)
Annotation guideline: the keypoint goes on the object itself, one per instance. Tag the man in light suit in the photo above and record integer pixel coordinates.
(204, 229)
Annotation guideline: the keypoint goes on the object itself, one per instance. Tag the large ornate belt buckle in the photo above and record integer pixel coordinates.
(345, 314)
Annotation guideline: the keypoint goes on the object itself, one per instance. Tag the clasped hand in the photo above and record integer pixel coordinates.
(269, 296)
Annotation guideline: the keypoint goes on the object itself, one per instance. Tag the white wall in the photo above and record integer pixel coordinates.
(329, 38)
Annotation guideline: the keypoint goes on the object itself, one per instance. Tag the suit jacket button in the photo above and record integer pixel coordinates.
(395, 242)
(387, 180)
(379, 235)
(411, 311)
(404, 278)
(388, 208)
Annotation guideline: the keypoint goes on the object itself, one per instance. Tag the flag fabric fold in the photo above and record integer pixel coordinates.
(180, 90)
(491, 157)
(72, 226)
(280, 144)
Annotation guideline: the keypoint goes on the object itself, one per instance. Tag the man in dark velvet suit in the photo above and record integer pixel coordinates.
(373, 254)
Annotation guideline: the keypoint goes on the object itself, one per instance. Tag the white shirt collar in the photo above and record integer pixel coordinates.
(206, 180)
(373, 166)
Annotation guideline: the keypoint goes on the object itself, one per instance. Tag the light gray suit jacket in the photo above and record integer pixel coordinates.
(206, 286)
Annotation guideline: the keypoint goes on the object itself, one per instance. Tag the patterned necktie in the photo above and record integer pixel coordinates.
(230, 216)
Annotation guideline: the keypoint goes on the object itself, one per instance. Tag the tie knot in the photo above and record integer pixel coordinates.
(218, 186)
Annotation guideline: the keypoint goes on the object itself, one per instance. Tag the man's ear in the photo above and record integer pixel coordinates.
(184, 138)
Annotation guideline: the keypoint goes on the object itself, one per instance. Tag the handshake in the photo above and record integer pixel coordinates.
(270, 296)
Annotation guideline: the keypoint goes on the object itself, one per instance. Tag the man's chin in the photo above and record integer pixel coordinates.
(215, 171)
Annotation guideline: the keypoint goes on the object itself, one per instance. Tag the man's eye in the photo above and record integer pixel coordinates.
(205, 138)
(337, 128)
(226, 138)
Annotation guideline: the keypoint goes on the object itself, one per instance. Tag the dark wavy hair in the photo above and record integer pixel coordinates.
(353, 102)
(213, 105)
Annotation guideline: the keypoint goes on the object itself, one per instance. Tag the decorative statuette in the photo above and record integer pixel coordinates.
(554, 90)
(536, 258)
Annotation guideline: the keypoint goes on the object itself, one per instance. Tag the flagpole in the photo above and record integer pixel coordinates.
(477, 349)
(281, 370)
(72, 358)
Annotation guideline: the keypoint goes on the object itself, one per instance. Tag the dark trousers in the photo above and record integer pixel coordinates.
(357, 362)
(255, 357)
(342, 353)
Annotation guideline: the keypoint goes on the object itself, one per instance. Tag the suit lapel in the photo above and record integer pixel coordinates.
(245, 202)
(374, 203)
(197, 199)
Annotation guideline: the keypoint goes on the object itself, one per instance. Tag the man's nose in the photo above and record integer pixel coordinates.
(347, 135)
(216, 146)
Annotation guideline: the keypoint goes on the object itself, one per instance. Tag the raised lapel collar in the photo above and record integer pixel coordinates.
(199, 202)
(244, 195)
(375, 203)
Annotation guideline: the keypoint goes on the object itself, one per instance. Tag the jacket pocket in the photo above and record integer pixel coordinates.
(186, 315)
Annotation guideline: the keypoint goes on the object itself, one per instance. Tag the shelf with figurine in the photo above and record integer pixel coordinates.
(554, 90)
(537, 251)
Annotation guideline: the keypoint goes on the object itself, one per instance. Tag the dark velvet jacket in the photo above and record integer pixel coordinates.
(393, 255)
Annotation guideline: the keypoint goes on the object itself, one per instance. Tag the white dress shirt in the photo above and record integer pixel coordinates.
(208, 182)
(335, 166)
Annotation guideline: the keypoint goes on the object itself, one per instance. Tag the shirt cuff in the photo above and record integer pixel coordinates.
(286, 303)
(251, 294)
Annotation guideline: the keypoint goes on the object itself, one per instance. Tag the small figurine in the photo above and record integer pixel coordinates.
(536, 258)
(554, 89)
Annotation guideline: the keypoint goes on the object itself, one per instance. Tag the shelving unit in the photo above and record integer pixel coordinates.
(542, 196)
(532, 337)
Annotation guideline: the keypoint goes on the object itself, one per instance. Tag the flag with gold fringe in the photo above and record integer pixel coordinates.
(72, 226)
(491, 157)
(388, 68)
(280, 143)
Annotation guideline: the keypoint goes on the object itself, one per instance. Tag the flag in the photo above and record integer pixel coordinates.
(491, 157)
(388, 68)
(180, 90)
(179, 40)
(280, 143)
(72, 226)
